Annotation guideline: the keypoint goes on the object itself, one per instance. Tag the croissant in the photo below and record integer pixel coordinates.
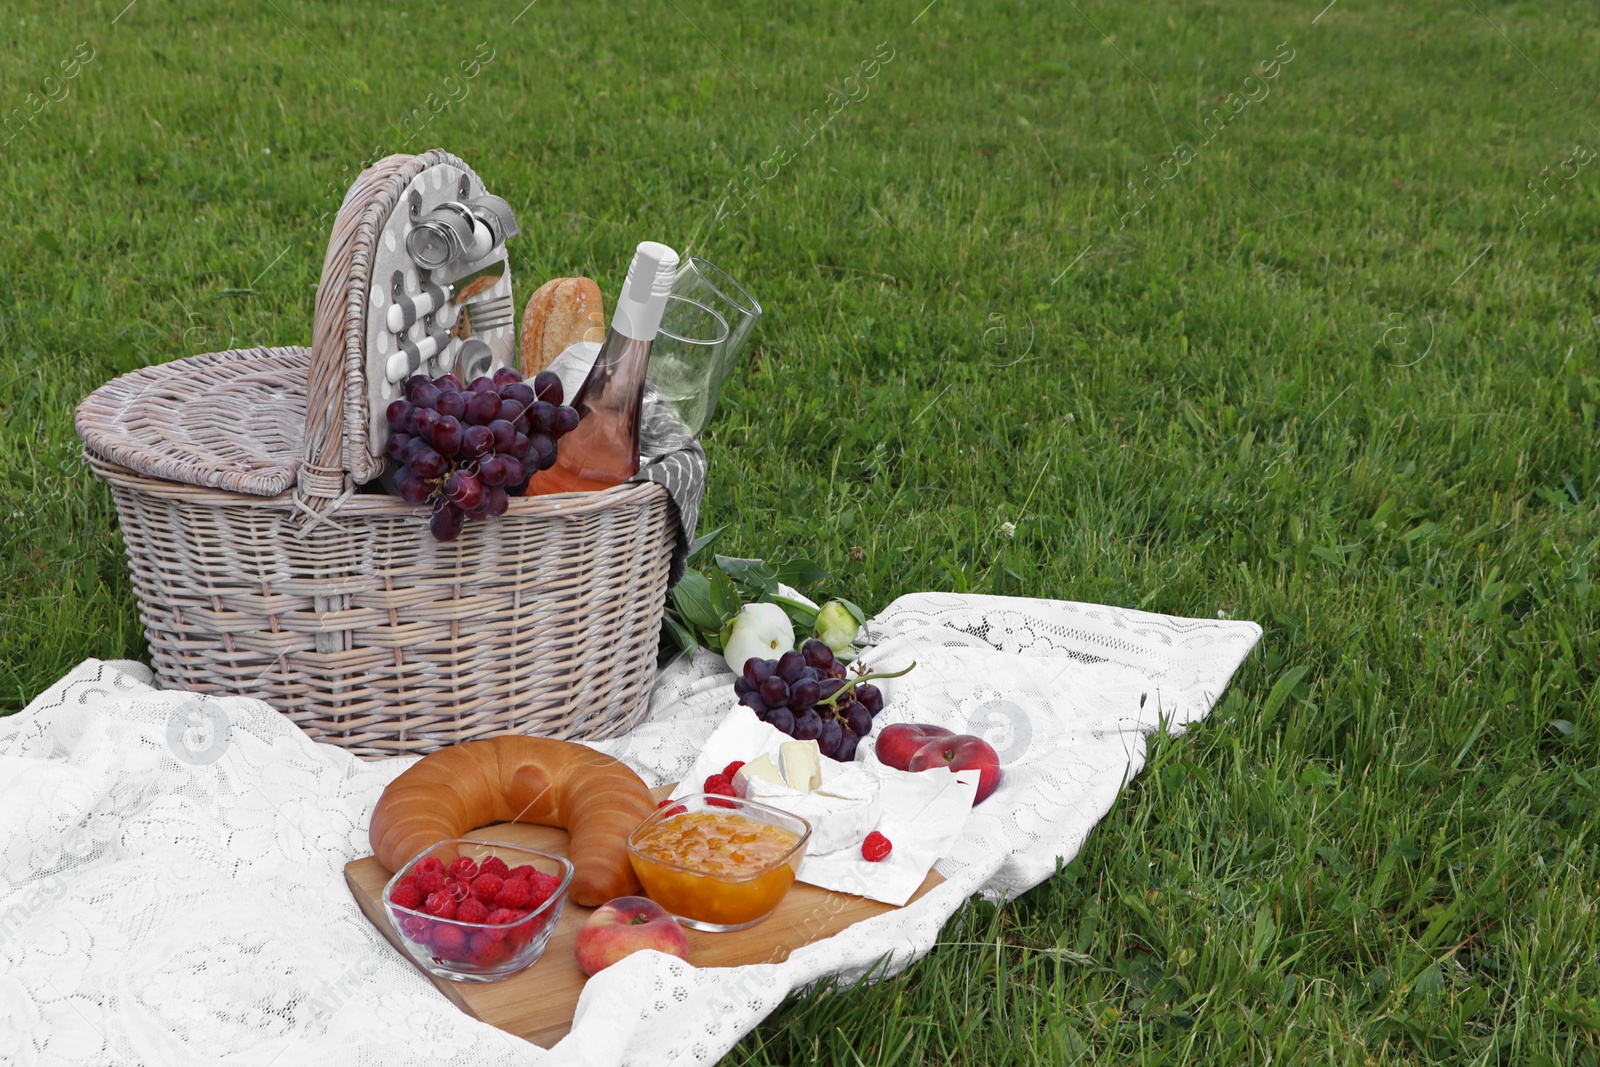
(597, 799)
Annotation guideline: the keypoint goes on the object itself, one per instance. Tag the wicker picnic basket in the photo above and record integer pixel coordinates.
(261, 570)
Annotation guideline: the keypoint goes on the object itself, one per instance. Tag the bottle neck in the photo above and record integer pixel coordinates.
(617, 378)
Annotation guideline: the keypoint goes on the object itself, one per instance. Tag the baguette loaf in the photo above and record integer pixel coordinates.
(562, 312)
(597, 799)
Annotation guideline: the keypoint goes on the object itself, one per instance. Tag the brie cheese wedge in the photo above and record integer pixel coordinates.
(802, 764)
(761, 768)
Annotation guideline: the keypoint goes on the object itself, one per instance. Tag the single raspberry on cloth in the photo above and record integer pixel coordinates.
(430, 882)
(407, 896)
(486, 886)
(514, 894)
(876, 848)
(449, 940)
(472, 910)
(733, 768)
(464, 867)
(441, 904)
(429, 865)
(494, 865)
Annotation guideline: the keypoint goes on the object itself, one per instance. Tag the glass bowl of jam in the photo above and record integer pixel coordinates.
(718, 863)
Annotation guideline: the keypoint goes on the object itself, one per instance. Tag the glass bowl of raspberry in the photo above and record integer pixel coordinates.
(477, 911)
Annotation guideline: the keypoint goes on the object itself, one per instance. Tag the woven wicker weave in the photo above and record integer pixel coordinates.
(338, 607)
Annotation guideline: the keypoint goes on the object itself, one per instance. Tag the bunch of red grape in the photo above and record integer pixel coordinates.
(807, 695)
(468, 450)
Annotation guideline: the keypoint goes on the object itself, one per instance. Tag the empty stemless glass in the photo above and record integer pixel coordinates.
(704, 331)
(683, 360)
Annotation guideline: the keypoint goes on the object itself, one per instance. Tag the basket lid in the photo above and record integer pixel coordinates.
(225, 420)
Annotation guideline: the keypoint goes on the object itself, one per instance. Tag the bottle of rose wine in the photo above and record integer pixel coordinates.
(604, 449)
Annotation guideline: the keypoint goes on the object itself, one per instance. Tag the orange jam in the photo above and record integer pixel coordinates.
(725, 854)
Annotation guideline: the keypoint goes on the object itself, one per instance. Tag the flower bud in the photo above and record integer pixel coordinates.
(836, 626)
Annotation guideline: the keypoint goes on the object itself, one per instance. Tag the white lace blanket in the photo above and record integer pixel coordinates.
(168, 903)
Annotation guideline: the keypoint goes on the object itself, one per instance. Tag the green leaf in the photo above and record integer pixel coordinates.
(1281, 690)
(725, 600)
(677, 639)
(703, 540)
(692, 597)
(861, 616)
(799, 573)
(803, 616)
(759, 575)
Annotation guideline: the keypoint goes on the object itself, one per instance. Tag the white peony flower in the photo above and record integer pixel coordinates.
(761, 631)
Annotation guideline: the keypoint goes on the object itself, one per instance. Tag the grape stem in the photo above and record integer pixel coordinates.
(847, 691)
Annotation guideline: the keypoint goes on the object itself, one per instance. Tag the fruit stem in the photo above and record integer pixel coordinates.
(849, 688)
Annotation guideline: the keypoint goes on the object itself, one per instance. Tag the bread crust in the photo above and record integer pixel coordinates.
(538, 780)
(562, 311)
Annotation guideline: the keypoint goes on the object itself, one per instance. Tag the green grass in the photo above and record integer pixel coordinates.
(1324, 380)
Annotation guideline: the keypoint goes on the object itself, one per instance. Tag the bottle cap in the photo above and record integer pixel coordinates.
(644, 293)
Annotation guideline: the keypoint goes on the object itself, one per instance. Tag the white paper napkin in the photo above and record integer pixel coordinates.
(923, 813)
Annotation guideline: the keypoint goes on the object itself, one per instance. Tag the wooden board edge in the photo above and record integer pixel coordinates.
(373, 910)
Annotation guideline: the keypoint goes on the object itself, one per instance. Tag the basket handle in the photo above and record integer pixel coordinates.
(336, 455)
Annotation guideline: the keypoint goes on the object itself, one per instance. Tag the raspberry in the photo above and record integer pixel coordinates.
(410, 880)
(733, 768)
(493, 865)
(458, 889)
(430, 883)
(514, 894)
(525, 872)
(449, 940)
(720, 785)
(676, 809)
(441, 904)
(501, 916)
(464, 867)
(429, 865)
(472, 911)
(485, 948)
(876, 848)
(486, 886)
(416, 927)
(663, 803)
(540, 889)
(407, 896)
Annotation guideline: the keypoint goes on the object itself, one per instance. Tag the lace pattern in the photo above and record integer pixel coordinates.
(171, 883)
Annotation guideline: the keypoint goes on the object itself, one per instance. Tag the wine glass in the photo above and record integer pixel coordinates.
(704, 331)
(681, 386)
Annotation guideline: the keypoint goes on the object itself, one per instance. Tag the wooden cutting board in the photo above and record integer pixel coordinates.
(539, 1003)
